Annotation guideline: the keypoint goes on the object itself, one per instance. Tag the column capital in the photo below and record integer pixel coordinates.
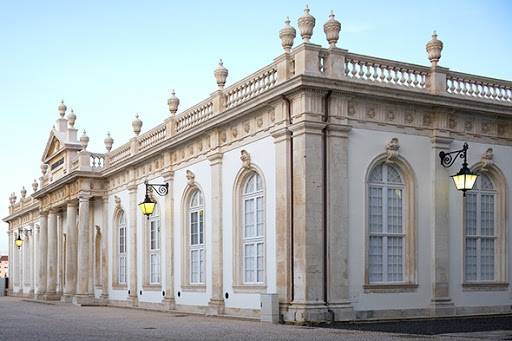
(215, 158)
(132, 187)
(168, 175)
(281, 134)
(83, 198)
(72, 203)
(338, 130)
(441, 142)
(43, 213)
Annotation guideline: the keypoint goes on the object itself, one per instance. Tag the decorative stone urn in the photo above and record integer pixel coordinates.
(109, 141)
(84, 140)
(137, 125)
(434, 48)
(332, 30)
(287, 34)
(12, 198)
(44, 168)
(62, 108)
(221, 74)
(71, 118)
(23, 192)
(173, 103)
(35, 185)
(306, 24)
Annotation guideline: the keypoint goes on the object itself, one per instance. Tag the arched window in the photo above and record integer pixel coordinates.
(386, 220)
(253, 228)
(480, 231)
(196, 238)
(154, 247)
(121, 243)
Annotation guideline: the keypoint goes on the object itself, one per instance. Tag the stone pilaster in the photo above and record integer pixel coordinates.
(60, 252)
(168, 300)
(308, 225)
(338, 298)
(14, 268)
(71, 251)
(132, 251)
(43, 255)
(104, 250)
(10, 273)
(216, 304)
(441, 302)
(51, 286)
(82, 287)
(282, 141)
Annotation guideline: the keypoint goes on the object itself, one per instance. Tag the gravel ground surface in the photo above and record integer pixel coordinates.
(23, 320)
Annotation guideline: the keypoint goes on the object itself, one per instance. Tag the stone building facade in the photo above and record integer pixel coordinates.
(315, 180)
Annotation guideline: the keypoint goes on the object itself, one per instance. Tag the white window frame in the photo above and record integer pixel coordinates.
(199, 247)
(257, 241)
(478, 192)
(122, 259)
(154, 257)
(385, 186)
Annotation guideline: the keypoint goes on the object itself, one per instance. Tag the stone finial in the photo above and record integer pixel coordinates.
(137, 125)
(62, 109)
(23, 192)
(434, 48)
(84, 140)
(221, 74)
(306, 24)
(71, 118)
(287, 34)
(392, 148)
(12, 198)
(487, 159)
(44, 168)
(109, 141)
(332, 29)
(245, 157)
(35, 185)
(191, 177)
(173, 103)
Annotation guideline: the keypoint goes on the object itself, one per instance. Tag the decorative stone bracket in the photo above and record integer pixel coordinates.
(487, 159)
(245, 157)
(392, 148)
(191, 177)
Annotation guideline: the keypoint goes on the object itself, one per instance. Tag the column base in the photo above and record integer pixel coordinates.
(307, 312)
(40, 296)
(341, 311)
(67, 298)
(134, 301)
(83, 300)
(215, 307)
(169, 303)
(52, 296)
(442, 306)
(104, 298)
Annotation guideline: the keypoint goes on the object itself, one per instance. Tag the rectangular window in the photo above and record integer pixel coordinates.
(122, 269)
(154, 265)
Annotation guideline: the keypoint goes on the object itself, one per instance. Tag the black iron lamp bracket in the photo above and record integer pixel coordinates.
(448, 159)
(160, 189)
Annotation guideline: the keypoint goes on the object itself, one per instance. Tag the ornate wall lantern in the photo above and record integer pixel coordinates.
(147, 207)
(18, 241)
(465, 179)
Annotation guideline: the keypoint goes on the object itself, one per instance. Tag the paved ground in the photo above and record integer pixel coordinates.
(22, 320)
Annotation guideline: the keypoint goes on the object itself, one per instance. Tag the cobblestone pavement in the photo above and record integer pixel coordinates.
(24, 320)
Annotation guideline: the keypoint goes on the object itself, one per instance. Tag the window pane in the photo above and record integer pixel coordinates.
(470, 260)
(375, 267)
(487, 259)
(259, 265)
(201, 266)
(249, 262)
(395, 265)
(259, 183)
(259, 216)
(152, 235)
(249, 218)
(470, 214)
(393, 175)
(154, 268)
(201, 227)
(194, 266)
(485, 182)
(375, 209)
(394, 210)
(376, 175)
(250, 185)
(194, 233)
(487, 214)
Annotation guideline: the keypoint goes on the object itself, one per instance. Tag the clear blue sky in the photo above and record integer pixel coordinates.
(111, 59)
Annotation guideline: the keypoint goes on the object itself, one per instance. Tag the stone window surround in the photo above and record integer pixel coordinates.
(148, 286)
(238, 284)
(501, 280)
(115, 249)
(409, 212)
(185, 240)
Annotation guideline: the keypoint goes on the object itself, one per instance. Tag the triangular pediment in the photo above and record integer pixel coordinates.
(53, 147)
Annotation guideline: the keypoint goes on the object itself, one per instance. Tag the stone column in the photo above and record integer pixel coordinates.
(10, 235)
(132, 251)
(282, 141)
(91, 246)
(51, 286)
(14, 268)
(104, 250)
(216, 304)
(35, 237)
(82, 288)
(168, 227)
(43, 255)
(308, 223)
(71, 251)
(338, 298)
(441, 302)
(60, 252)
